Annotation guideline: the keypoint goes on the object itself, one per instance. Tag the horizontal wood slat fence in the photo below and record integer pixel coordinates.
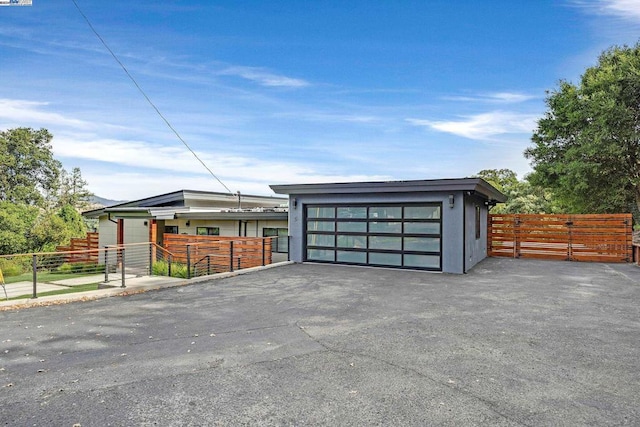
(83, 249)
(218, 253)
(600, 238)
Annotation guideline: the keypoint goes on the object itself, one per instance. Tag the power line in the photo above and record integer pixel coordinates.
(147, 98)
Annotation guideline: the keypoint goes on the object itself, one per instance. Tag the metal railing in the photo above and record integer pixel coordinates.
(40, 274)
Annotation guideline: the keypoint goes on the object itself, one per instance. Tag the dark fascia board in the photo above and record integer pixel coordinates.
(126, 212)
(95, 213)
(143, 212)
(180, 196)
(208, 195)
(477, 185)
(231, 216)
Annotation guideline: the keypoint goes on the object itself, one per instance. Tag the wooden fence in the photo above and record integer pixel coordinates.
(218, 254)
(602, 238)
(81, 249)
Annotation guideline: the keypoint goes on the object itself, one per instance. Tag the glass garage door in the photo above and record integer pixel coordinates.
(385, 235)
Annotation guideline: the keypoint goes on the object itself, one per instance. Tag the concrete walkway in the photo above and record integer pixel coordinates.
(26, 287)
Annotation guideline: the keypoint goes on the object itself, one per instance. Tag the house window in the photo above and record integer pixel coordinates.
(281, 244)
(171, 229)
(478, 222)
(208, 231)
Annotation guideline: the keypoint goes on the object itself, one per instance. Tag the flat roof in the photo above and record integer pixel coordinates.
(166, 212)
(183, 198)
(477, 185)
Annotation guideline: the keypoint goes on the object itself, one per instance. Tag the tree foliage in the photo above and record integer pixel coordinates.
(28, 171)
(39, 200)
(522, 196)
(16, 223)
(587, 146)
(73, 190)
(55, 228)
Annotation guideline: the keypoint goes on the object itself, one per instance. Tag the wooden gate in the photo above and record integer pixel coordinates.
(602, 238)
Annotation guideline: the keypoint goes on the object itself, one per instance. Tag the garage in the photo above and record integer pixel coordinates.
(434, 225)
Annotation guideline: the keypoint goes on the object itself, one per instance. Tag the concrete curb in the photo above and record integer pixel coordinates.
(130, 290)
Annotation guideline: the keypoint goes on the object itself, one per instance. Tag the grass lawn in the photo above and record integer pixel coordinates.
(81, 288)
(45, 277)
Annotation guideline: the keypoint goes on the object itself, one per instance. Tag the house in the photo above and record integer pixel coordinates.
(195, 213)
(438, 225)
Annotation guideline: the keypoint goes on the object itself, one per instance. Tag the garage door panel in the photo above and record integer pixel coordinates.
(326, 240)
(422, 228)
(353, 257)
(385, 242)
(352, 212)
(353, 227)
(321, 255)
(390, 259)
(422, 244)
(385, 227)
(321, 226)
(388, 212)
(422, 261)
(422, 212)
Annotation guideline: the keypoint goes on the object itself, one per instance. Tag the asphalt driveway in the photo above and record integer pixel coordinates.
(514, 342)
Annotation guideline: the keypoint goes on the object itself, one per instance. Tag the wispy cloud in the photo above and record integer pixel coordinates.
(482, 126)
(18, 112)
(330, 117)
(496, 98)
(147, 159)
(263, 77)
(626, 9)
(117, 185)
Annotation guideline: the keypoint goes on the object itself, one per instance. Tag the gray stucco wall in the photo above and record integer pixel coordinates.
(452, 219)
(475, 248)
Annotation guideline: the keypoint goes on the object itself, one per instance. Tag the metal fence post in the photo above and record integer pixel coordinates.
(288, 248)
(34, 266)
(208, 265)
(169, 268)
(264, 243)
(188, 261)
(150, 258)
(123, 266)
(106, 264)
(231, 255)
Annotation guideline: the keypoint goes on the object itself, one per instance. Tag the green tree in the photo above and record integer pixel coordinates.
(39, 200)
(586, 148)
(73, 190)
(54, 228)
(522, 196)
(16, 224)
(28, 171)
(502, 179)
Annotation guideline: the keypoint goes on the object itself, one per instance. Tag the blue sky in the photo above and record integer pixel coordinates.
(275, 92)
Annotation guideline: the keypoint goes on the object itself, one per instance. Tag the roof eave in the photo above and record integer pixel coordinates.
(438, 185)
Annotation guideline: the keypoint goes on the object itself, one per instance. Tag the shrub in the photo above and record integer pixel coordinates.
(160, 268)
(11, 267)
(179, 270)
(65, 268)
(80, 267)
